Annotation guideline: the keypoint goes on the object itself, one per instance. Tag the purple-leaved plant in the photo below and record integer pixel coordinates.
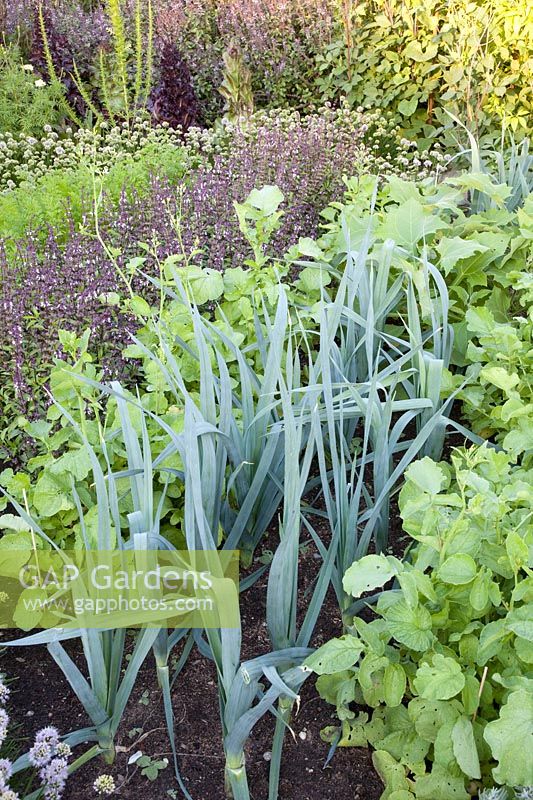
(173, 99)
(59, 285)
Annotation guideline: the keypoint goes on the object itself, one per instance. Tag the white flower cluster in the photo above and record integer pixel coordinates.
(25, 159)
(4, 716)
(104, 785)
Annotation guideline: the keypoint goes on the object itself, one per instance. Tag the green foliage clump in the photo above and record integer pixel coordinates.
(478, 255)
(445, 666)
(471, 58)
(62, 195)
(26, 101)
(497, 400)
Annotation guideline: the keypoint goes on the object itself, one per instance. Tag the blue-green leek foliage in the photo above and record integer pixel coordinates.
(105, 688)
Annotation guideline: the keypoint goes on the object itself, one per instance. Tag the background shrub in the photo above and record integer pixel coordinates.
(278, 40)
(472, 58)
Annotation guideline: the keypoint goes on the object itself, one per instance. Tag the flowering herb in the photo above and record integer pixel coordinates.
(26, 102)
(48, 755)
(4, 693)
(4, 723)
(26, 159)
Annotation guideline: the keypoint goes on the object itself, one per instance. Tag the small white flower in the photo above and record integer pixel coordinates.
(40, 83)
(9, 794)
(63, 750)
(27, 67)
(104, 785)
(4, 693)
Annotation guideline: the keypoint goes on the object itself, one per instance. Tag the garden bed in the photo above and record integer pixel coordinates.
(266, 287)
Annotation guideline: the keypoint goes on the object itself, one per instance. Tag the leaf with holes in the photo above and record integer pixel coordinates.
(336, 655)
(370, 573)
(439, 680)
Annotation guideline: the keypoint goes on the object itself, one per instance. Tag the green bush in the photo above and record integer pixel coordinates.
(473, 58)
(446, 664)
(497, 400)
(26, 101)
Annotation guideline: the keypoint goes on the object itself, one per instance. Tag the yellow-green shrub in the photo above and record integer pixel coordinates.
(472, 57)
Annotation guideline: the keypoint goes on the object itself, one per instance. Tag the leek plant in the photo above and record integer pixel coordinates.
(105, 689)
(299, 406)
(430, 343)
(259, 445)
(211, 449)
(253, 446)
(360, 311)
(244, 450)
(375, 384)
(144, 523)
(511, 165)
(431, 351)
(356, 513)
(242, 699)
